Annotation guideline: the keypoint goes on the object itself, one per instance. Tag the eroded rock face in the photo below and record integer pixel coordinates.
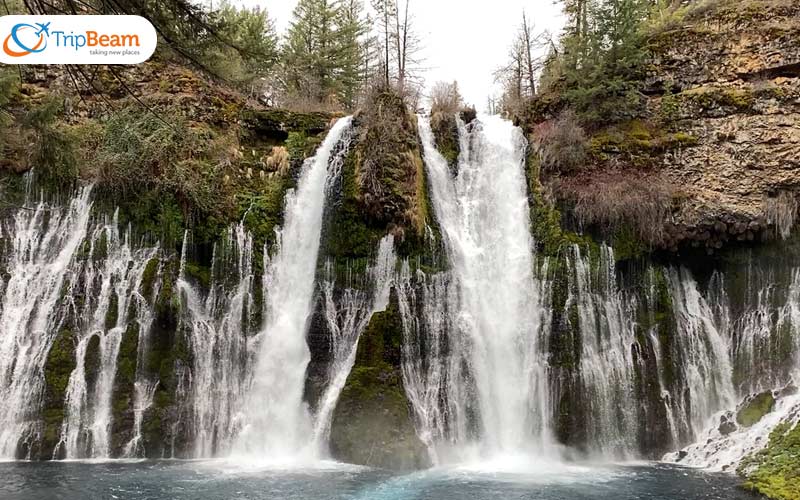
(729, 41)
(737, 75)
(372, 424)
(721, 131)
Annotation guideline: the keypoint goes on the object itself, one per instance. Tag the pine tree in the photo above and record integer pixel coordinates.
(310, 53)
(352, 50)
(251, 34)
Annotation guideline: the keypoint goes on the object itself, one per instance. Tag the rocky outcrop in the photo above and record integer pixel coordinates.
(715, 160)
(372, 424)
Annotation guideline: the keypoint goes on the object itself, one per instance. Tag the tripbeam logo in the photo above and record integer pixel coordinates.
(76, 39)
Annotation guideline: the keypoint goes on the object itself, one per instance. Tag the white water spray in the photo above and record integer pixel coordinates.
(483, 214)
(277, 424)
(44, 241)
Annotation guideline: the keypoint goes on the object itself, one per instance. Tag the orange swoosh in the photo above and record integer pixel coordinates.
(13, 53)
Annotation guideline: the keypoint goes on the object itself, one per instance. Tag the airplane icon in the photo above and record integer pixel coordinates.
(43, 28)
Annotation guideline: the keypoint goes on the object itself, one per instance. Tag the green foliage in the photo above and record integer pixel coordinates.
(167, 169)
(323, 52)
(262, 212)
(754, 409)
(300, 146)
(9, 84)
(775, 470)
(351, 235)
(600, 70)
(546, 227)
(53, 152)
(250, 44)
(445, 130)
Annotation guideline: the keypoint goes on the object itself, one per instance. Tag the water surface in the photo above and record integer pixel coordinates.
(203, 480)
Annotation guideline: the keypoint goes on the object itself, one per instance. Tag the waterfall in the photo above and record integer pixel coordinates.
(483, 214)
(768, 320)
(111, 278)
(606, 320)
(346, 321)
(43, 243)
(705, 353)
(276, 421)
(217, 329)
(440, 408)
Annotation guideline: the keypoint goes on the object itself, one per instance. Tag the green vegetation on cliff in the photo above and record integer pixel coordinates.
(372, 423)
(57, 370)
(775, 471)
(383, 186)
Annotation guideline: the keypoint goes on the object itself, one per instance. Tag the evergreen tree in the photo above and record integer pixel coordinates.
(311, 51)
(353, 50)
(253, 35)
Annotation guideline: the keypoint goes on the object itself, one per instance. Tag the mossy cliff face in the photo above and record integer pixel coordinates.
(372, 424)
(383, 184)
(775, 471)
(168, 147)
(58, 367)
(381, 190)
(712, 162)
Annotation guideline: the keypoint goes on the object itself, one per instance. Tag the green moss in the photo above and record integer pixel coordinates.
(262, 211)
(627, 244)
(112, 313)
(57, 370)
(300, 146)
(149, 275)
(91, 364)
(707, 98)
(123, 393)
(100, 249)
(201, 274)
(60, 363)
(546, 228)
(351, 234)
(637, 141)
(755, 409)
(660, 315)
(372, 422)
(775, 471)
(445, 131)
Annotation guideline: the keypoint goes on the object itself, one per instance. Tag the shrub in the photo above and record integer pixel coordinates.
(53, 152)
(140, 152)
(614, 201)
(8, 88)
(561, 143)
(446, 99)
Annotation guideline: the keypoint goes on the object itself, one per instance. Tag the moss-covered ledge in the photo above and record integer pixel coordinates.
(372, 423)
(278, 123)
(775, 471)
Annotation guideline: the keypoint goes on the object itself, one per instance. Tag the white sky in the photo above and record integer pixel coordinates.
(463, 40)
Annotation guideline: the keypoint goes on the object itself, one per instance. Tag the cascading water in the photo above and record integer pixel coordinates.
(276, 420)
(705, 351)
(346, 321)
(606, 321)
(217, 329)
(111, 278)
(483, 214)
(44, 241)
(765, 323)
(439, 407)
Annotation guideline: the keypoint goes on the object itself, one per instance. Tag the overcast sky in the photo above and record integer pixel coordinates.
(463, 40)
